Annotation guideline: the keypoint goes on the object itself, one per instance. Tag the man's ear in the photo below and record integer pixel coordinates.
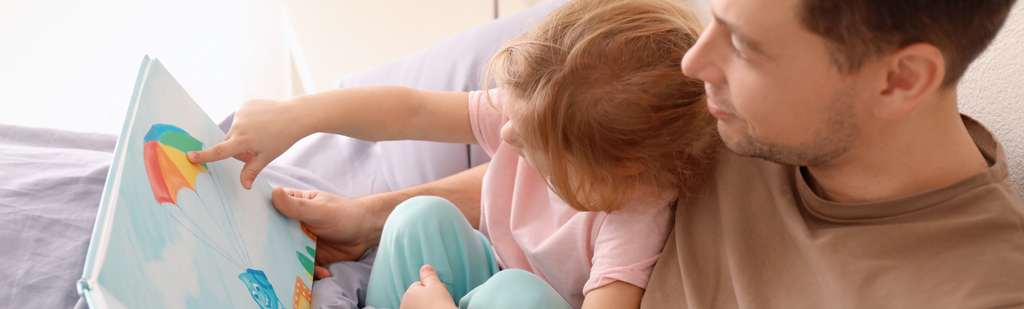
(913, 74)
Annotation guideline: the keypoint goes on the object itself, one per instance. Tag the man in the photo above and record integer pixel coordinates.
(850, 179)
(873, 191)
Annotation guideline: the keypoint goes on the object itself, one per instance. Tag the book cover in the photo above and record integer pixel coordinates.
(173, 234)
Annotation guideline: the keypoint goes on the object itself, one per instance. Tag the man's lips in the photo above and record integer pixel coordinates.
(715, 110)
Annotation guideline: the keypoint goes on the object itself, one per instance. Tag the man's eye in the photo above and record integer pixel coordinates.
(735, 48)
(740, 54)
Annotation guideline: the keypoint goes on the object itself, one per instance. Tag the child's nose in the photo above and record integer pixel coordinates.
(509, 134)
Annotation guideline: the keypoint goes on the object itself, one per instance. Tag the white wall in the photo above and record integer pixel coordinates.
(992, 92)
(72, 64)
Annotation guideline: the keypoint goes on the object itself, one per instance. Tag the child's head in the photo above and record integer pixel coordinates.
(599, 104)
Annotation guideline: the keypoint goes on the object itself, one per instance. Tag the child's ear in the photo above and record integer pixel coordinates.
(629, 169)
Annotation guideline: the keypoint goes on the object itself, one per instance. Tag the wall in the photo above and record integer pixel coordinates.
(992, 91)
(344, 36)
(73, 66)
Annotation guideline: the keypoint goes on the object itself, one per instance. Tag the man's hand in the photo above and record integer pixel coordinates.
(344, 227)
(428, 293)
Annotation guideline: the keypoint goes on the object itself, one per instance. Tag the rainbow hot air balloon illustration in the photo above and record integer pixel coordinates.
(169, 172)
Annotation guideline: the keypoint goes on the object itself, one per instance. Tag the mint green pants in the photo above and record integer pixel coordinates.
(430, 230)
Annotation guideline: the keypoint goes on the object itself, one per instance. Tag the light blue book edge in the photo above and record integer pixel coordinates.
(88, 287)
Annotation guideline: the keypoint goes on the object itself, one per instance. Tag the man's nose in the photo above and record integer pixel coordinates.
(699, 62)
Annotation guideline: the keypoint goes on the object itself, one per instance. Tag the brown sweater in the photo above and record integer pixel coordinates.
(758, 237)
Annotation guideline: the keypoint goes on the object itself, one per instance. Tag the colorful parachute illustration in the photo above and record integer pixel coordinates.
(168, 168)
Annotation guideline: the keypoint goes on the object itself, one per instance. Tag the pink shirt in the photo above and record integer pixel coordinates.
(532, 229)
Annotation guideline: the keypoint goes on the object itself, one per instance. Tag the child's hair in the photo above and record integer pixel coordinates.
(603, 93)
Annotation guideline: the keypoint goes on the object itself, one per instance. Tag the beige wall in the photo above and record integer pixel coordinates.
(344, 36)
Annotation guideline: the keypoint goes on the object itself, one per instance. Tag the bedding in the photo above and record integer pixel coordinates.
(49, 193)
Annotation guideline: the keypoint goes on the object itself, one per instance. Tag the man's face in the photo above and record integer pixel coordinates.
(772, 84)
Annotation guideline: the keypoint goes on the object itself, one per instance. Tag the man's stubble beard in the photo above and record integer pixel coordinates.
(834, 140)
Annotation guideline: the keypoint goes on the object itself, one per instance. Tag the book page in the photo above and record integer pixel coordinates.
(172, 234)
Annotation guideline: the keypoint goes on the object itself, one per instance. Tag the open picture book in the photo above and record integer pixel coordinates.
(173, 234)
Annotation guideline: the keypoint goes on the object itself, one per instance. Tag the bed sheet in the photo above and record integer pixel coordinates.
(49, 192)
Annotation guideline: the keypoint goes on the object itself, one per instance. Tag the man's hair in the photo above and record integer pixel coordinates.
(860, 30)
(601, 87)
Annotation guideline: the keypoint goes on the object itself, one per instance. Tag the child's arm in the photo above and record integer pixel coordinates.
(381, 113)
(617, 294)
(263, 129)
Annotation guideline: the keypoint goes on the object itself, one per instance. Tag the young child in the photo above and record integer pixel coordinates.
(593, 131)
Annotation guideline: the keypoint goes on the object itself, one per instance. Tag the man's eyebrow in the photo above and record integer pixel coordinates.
(740, 37)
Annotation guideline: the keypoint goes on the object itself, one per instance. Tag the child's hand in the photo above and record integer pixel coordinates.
(261, 131)
(428, 293)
